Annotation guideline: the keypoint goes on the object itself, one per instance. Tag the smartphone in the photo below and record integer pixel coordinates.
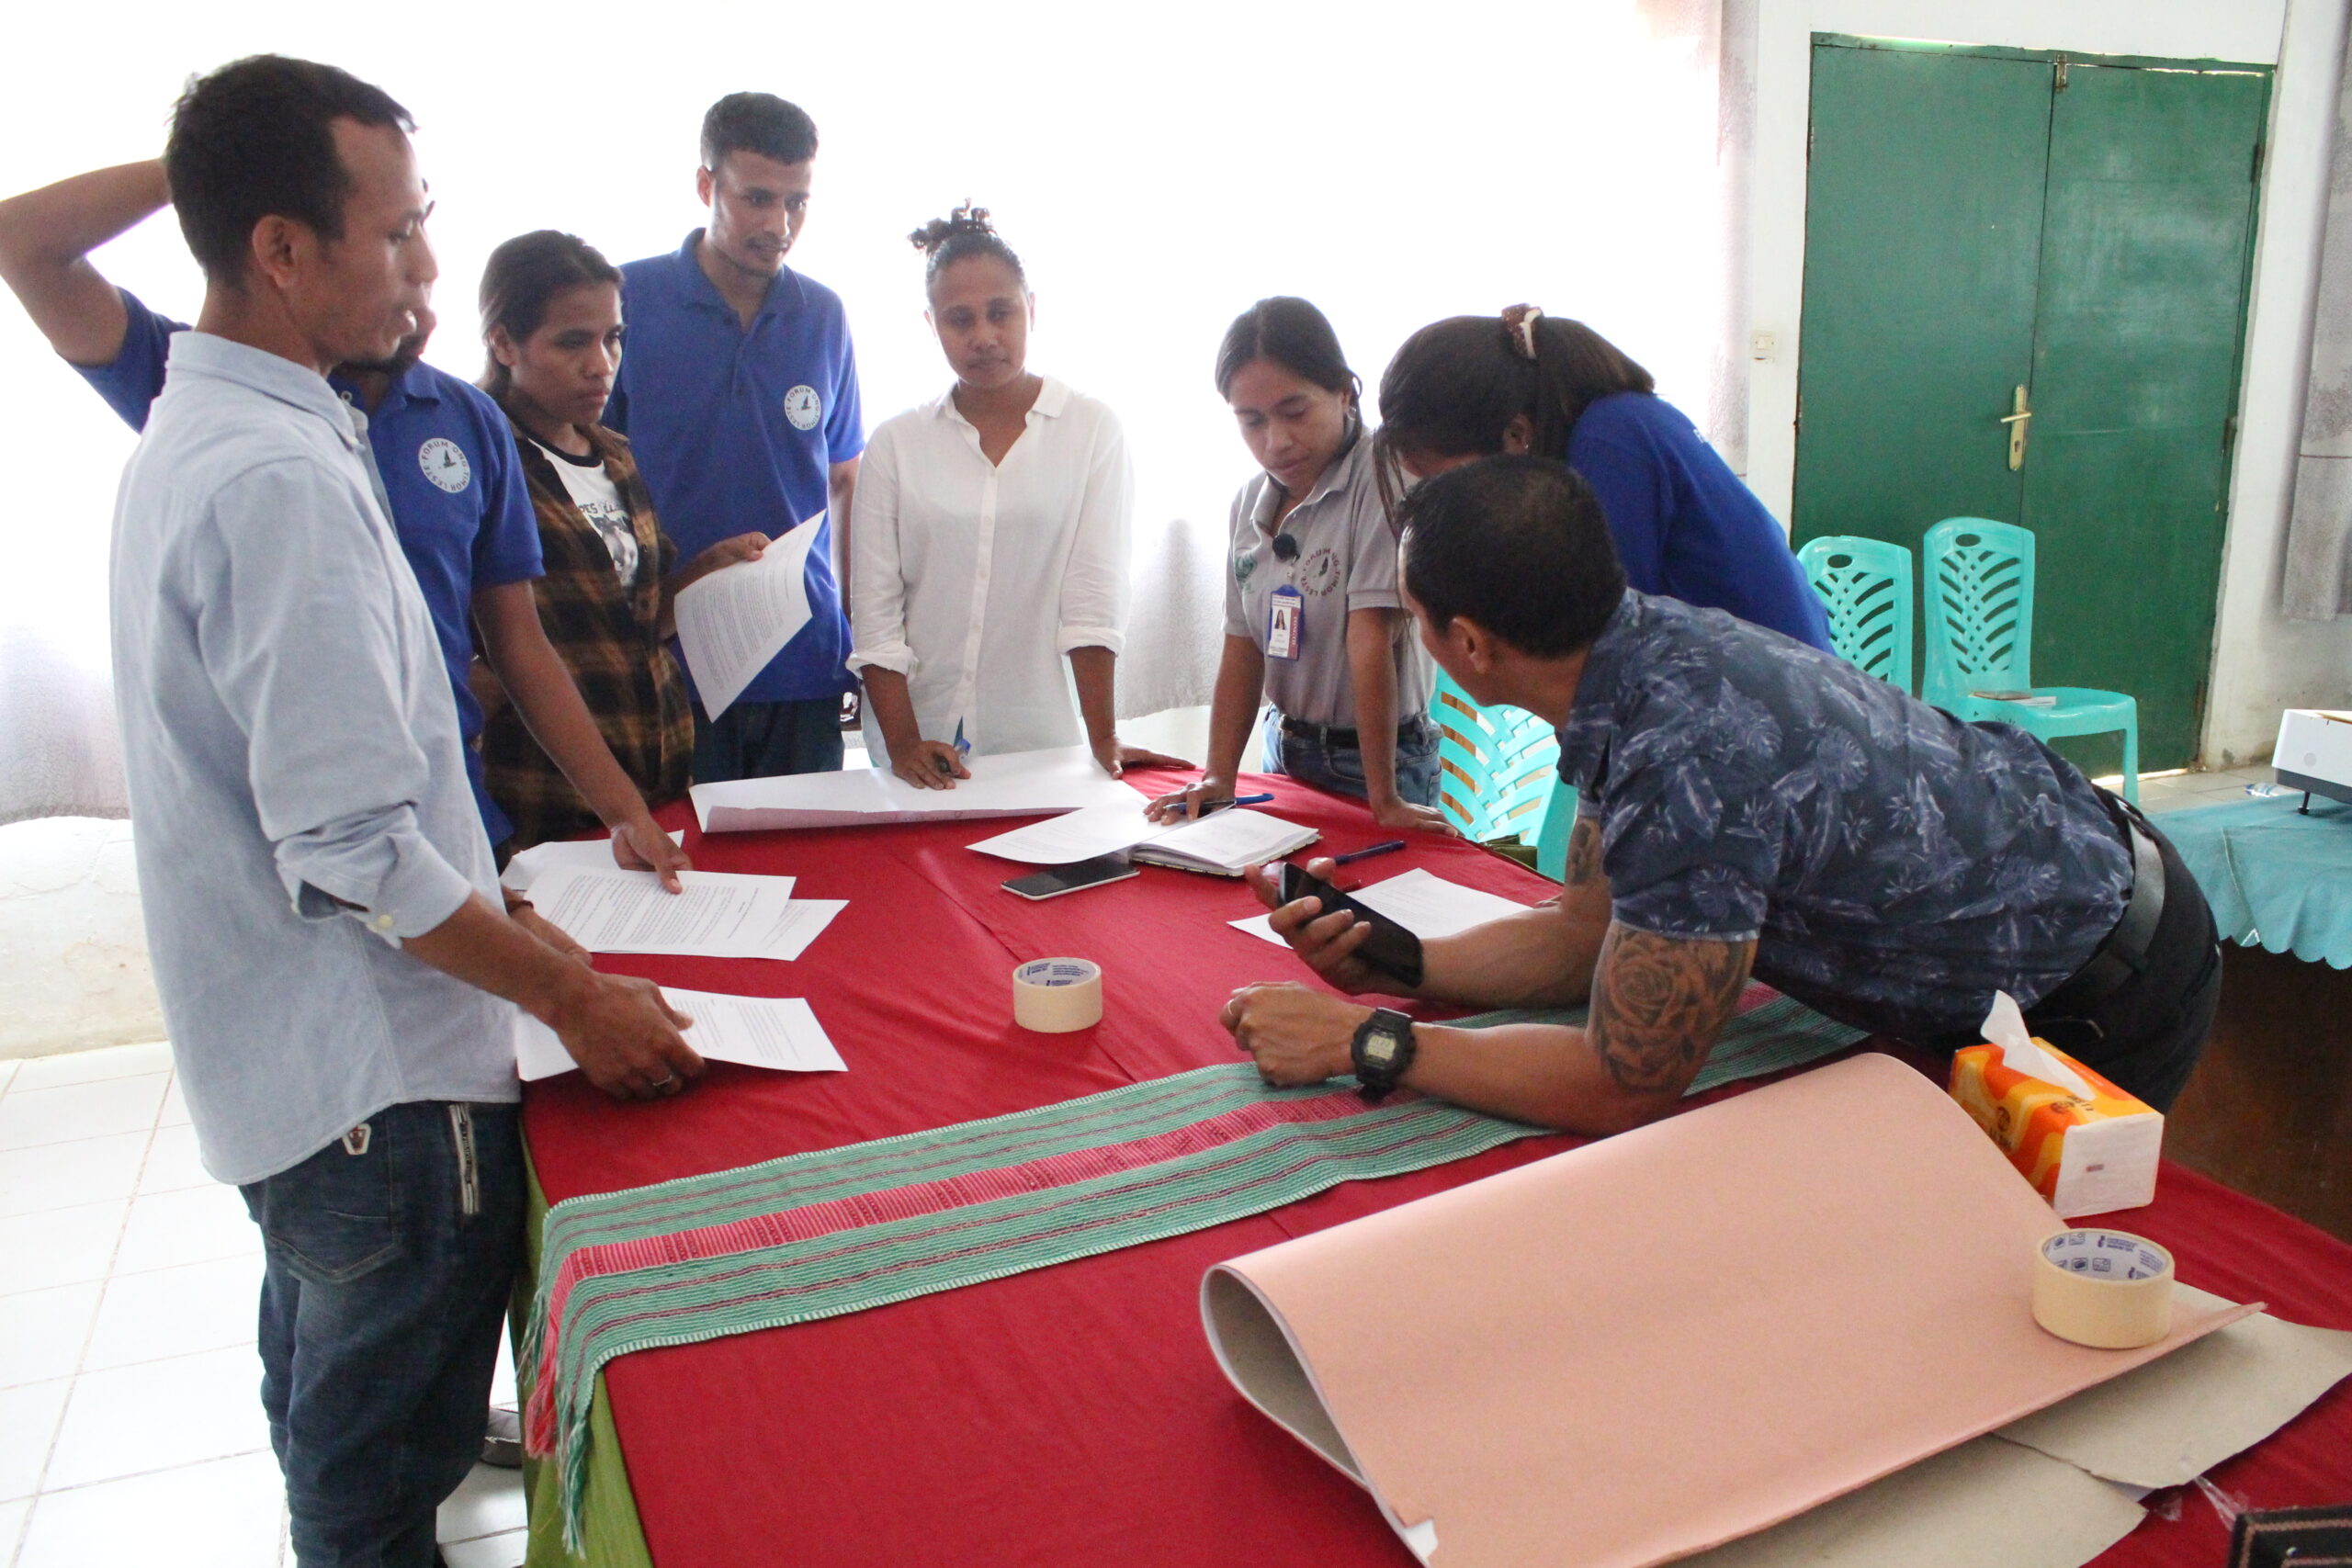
(1057, 880)
(1391, 948)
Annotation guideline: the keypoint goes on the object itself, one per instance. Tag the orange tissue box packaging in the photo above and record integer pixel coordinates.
(2085, 1145)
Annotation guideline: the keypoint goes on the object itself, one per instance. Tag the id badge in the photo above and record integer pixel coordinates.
(1285, 620)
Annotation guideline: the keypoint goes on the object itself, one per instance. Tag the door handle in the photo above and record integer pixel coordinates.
(2017, 420)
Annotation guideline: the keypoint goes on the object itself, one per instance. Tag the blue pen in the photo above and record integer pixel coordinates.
(1366, 853)
(1208, 806)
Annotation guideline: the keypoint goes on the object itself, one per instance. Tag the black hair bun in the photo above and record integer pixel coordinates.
(965, 219)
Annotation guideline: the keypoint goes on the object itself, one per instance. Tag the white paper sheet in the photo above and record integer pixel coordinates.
(733, 622)
(1231, 838)
(1428, 906)
(758, 1032)
(1014, 783)
(717, 915)
(596, 853)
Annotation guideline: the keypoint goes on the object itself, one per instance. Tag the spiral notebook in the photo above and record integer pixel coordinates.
(1224, 843)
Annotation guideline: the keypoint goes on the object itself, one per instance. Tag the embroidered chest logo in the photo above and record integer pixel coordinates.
(803, 407)
(444, 462)
(1319, 573)
(1243, 565)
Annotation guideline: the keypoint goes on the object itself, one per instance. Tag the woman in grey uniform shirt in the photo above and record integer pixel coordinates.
(1314, 623)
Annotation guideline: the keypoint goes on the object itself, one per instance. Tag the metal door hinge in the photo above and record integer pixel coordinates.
(2058, 79)
(2254, 174)
(2229, 433)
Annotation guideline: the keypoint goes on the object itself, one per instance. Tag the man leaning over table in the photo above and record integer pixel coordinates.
(1747, 805)
(738, 396)
(318, 887)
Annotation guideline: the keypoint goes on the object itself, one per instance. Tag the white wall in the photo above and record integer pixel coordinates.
(2263, 663)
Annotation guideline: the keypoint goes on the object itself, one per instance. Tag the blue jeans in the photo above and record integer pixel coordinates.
(1339, 769)
(385, 1291)
(765, 740)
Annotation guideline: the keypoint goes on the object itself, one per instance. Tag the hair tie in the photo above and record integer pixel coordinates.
(1520, 320)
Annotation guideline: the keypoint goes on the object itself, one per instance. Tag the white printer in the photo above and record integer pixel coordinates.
(2316, 752)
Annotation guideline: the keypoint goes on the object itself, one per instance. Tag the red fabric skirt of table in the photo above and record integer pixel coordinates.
(1075, 1414)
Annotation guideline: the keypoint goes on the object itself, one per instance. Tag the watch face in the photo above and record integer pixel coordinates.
(1380, 1050)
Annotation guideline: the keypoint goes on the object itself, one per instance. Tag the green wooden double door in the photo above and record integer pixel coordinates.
(1988, 232)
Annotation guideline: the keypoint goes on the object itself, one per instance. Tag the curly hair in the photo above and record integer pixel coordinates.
(965, 231)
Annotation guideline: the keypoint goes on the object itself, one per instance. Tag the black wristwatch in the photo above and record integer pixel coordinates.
(1382, 1052)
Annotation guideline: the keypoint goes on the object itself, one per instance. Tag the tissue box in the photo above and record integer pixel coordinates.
(2088, 1153)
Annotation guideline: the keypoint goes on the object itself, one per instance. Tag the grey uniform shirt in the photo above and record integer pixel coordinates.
(298, 787)
(1346, 560)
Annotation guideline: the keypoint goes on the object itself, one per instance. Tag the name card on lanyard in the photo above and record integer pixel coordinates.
(1285, 622)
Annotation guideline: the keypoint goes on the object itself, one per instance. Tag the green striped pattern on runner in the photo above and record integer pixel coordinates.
(846, 1271)
(1777, 1034)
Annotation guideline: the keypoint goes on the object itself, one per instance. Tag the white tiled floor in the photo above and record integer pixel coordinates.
(2175, 792)
(130, 1424)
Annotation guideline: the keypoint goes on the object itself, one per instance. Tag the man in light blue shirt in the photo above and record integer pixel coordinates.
(318, 887)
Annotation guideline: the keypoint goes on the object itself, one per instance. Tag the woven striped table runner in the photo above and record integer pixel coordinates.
(836, 1231)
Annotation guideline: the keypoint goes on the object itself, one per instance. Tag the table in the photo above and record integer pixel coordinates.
(1075, 1414)
(2276, 876)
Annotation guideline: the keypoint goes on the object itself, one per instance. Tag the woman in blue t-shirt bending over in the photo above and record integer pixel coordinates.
(1685, 525)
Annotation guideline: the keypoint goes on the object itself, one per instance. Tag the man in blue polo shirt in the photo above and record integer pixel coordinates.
(739, 394)
(444, 454)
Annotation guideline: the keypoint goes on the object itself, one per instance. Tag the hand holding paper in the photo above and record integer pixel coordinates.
(759, 1032)
(733, 622)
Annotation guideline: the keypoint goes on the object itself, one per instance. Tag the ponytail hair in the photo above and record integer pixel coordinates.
(965, 231)
(521, 280)
(1455, 384)
(1295, 335)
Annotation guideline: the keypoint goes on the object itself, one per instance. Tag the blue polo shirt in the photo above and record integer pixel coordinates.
(460, 504)
(737, 429)
(1685, 524)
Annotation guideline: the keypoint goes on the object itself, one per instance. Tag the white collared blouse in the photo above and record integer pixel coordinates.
(975, 579)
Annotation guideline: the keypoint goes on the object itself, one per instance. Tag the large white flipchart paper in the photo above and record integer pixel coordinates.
(1014, 783)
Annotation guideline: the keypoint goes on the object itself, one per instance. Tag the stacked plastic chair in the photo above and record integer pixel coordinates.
(1980, 639)
(1865, 584)
(1499, 776)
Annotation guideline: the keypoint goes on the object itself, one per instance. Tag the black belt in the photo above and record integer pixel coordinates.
(1412, 730)
(2123, 956)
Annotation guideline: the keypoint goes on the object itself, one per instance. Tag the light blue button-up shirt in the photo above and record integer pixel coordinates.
(298, 785)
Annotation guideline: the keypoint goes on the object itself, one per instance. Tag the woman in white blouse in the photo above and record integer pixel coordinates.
(990, 541)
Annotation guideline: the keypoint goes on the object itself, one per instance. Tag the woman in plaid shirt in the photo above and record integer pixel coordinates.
(552, 317)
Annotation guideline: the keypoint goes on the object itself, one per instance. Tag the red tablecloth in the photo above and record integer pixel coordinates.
(1074, 1414)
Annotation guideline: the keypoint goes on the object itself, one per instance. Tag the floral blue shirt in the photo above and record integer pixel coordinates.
(1894, 865)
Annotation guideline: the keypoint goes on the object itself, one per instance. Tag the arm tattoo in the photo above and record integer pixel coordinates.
(1584, 851)
(1659, 1002)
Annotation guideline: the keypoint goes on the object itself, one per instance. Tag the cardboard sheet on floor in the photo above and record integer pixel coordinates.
(1673, 1339)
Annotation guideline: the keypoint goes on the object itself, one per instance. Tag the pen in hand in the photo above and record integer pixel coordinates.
(1368, 852)
(1205, 806)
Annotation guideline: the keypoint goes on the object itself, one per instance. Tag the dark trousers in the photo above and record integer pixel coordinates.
(765, 740)
(1339, 769)
(385, 1292)
(2146, 1036)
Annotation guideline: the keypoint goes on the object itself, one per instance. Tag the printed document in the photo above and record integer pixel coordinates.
(1429, 907)
(596, 853)
(733, 622)
(758, 1032)
(717, 915)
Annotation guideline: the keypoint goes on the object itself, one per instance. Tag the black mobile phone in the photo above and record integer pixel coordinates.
(1391, 948)
(1057, 880)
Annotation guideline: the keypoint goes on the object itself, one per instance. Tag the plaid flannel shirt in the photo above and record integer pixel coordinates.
(610, 641)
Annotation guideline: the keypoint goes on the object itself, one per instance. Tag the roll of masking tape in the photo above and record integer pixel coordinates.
(1054, 995)
(2103, 1289)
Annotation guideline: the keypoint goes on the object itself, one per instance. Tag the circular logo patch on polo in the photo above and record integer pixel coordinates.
(1319, 573)
(803, 407)
(444, 462)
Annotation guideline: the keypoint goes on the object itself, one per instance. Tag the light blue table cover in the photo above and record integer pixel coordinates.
(2276, 878)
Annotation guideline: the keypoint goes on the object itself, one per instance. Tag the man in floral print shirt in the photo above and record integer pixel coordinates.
(1749, 804)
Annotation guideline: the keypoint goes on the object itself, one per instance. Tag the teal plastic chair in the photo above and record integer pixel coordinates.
(1499, 776)
(1980, 639)
(1865, 584)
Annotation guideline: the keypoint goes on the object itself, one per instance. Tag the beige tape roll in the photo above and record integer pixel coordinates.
(1054, 995)
(2104, 1288)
